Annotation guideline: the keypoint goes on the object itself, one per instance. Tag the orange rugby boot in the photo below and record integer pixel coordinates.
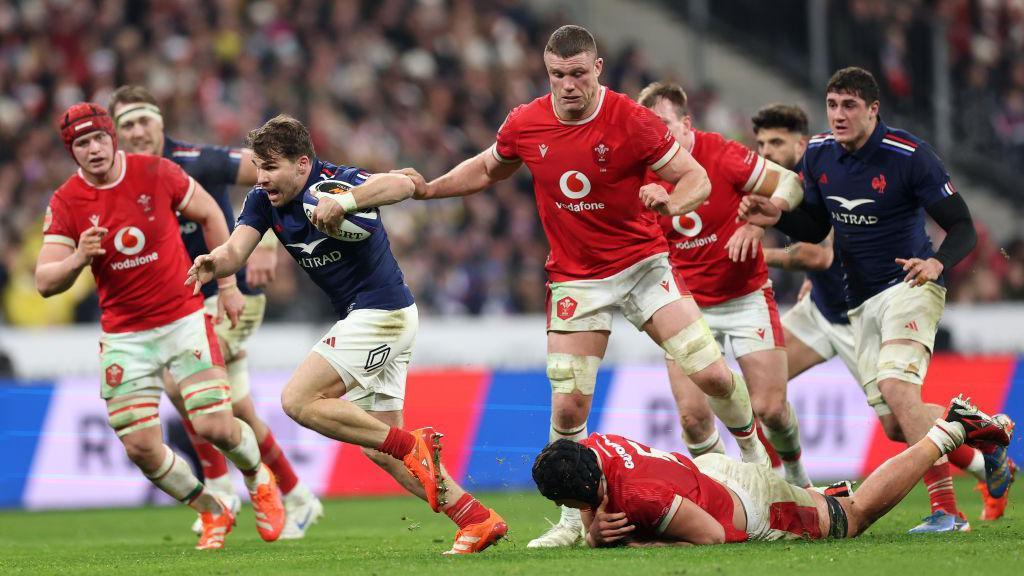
(424, 462)
(476, 537)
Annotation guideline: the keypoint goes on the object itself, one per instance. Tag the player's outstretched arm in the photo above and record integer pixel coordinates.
(469, 177)
(383, 189)
(59, 265)
(224, 260)
(692, 186)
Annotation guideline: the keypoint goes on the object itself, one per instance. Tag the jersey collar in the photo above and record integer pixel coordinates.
(120, 177)
(597, 110)
(314, 177)
(168, 146)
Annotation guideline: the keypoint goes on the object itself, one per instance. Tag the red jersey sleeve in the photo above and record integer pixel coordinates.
(178, 185)
(58, 224)
(743, 167)
(650, 503)
(505, 147)
(652, 141)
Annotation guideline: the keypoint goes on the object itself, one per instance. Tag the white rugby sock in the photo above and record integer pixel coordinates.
(569, 515)
(713, 445)
(947, 436)
(175, 478)
(246, 456)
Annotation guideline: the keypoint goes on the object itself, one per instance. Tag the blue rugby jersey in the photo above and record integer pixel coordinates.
(354, 275)
(216, 170)
(875, 198)
(828, 291)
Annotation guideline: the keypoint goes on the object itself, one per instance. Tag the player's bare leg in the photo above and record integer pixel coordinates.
(891, 482)
(680, 329)
(799, 356)
(313, 399)
(903, 396)
(766, 375)
(573, 358)
(695, 415)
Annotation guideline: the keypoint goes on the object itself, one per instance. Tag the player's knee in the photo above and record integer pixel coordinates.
(773, 412)
(714, 380)
(694, 348)
(572, 374)
(293, 403)
(217, 429)
(892, 428)
(145, 452)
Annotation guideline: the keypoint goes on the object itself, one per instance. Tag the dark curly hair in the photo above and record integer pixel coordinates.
(567, 470)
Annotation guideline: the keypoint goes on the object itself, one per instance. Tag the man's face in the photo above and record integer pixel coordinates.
(850, 118)
(781, 146)
(679, 126)
(94, 152)
(574, 83)
(280, 177)
(140, 135)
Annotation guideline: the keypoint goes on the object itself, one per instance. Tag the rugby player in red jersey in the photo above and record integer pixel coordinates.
(588, 149)
(721, 261)
(118, 216)
(640, 496)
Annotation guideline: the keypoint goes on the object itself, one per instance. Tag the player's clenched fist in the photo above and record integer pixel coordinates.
(202, 271)
(655, 197)
(759, 211)
(418, 181)
(90, 243)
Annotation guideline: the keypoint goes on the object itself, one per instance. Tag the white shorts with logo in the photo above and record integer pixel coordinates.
(133, 362)
(370, 350)
(749, 323)
(807, 324)
(776, 510)
(900, 312)
(638, 291)
(248, 322)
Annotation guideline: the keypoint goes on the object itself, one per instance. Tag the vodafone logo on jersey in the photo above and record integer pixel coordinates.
(690, 225)
(129, 241)
(575, 186)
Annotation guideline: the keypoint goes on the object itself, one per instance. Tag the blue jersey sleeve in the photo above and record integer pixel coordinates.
(351, 174)
(928, 179)
(255, 211)
(217, 165)
(812, 193)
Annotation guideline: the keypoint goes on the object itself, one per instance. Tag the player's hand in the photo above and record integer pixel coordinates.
(89, 244)
(759, 211)
(655, 197)
(919, 272)
(202, 271)
(327, 215)
(805, 289)
(230, 301)
(609, 528)
(418, 181)
(746, 240)
(261, 269)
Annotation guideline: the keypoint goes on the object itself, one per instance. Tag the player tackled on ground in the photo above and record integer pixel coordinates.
(118, 216)
(817, 327)
(588, 149)
(873, 184)
(640, 496)
(140, 129)
(734, 294)
(365, 355)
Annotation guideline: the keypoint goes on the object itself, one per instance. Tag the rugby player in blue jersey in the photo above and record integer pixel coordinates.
(351, 386)
(872, 185)
(140, 129)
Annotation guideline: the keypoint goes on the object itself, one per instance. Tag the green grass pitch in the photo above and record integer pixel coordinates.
(397, 536)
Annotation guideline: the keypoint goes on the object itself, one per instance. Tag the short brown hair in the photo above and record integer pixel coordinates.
(570, 40)
(281, 136)
(856, 82)
(130, 94)
(674, 93)
(784, 116)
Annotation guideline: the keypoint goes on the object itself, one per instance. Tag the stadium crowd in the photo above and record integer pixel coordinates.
(383, 85)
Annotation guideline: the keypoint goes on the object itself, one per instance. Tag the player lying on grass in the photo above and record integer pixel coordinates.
(365, 355)
(632, 494)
